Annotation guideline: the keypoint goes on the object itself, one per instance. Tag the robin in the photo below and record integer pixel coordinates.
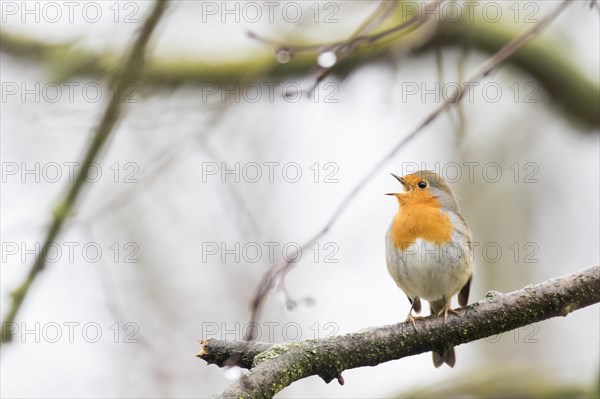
(428, 249)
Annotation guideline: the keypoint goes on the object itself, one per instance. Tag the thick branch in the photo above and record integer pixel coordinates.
(219, 352)
(283, 364)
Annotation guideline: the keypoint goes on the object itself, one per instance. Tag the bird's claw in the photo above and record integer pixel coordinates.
(412, 320)
(445, 310)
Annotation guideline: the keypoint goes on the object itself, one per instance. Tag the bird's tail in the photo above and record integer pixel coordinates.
(447, 355)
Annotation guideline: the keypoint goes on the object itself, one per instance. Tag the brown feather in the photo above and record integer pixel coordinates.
(416, 304)
(463, 295)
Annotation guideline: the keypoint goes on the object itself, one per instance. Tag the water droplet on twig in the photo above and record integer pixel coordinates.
(327, 59)
(283, 56)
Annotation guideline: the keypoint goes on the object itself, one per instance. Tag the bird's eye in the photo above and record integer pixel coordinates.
(422, 184)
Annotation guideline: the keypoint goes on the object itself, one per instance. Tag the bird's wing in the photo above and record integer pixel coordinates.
(463, 295)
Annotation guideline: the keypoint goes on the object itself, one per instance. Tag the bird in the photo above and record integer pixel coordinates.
(428, 249)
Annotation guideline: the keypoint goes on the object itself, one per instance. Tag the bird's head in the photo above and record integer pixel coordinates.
(425, 187)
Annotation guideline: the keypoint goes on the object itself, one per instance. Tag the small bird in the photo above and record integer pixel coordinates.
(428, 249)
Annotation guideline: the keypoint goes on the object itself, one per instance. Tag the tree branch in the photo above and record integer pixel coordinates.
(129, 71)
(280, 365)
(218, 352)
(548, 63)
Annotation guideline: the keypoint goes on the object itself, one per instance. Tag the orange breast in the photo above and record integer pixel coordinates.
(418, 220)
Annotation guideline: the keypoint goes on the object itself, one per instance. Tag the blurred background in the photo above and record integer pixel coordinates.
(224, 162)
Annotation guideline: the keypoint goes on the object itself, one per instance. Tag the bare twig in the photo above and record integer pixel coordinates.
(275, 275)
(128, 72)
(377, 17)
(278, 366)
(354, 40)
(461, 126)
(343, 48)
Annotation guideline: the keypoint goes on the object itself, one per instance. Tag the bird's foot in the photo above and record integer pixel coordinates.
(412, 320)
(447, 310)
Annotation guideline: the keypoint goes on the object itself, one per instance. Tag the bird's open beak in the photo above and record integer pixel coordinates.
(402, 181)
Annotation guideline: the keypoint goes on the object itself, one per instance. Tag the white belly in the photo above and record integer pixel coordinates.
(430, 271)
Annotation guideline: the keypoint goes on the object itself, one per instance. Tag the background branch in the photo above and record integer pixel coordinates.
(280, 365)
(128, 72)
(546, 62)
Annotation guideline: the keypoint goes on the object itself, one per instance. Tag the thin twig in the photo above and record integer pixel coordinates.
(128, 72)
(275, 275)
(343, 48)
(417, 19)
(461, 128)
(377, 17)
